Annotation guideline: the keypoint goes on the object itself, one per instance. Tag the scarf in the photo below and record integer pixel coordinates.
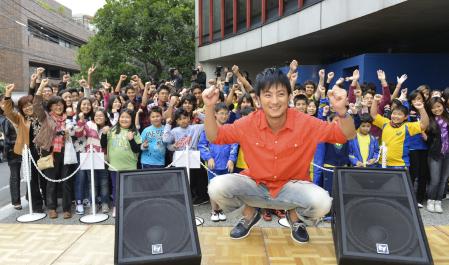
(444, 135)
(58, 141)
(34, 124)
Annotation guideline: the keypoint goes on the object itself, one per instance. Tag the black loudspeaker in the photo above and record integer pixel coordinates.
(376, 219)
(155, 219)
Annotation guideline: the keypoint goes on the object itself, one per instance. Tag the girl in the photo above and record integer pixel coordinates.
(123, 146)
(243, 102)
(114, 108)
(178, 139)
(153, 148)
(51, 140)
(311, 107)
(438, 141)
(92, 131)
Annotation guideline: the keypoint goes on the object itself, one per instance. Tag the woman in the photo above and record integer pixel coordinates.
(50, 141)
(28, 128)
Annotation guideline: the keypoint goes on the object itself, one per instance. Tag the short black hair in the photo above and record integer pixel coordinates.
(180, 112)
(366, 118)
(163, 87)
(55, 100)
(156, 109)
(220, 106)
(401, 108)
(129, 88)
(270, 77)
(246, 111)
(298, 98)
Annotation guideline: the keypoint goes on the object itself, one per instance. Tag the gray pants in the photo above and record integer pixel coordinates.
(231, 191)
(439, 174)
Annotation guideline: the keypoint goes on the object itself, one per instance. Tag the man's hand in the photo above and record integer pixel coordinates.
(211, 163)
(235, 69)
(173, 101)
(228, 76)
(401, 79)
(44, 83)
(40, 71)
(123, 77)
(33, 77)
(210, 96)
(337, 98)
(293, 78)
(9, 89)
(230, 166)
(130, 135)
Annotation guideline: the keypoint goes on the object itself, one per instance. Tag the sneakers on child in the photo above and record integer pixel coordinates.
(431, 206)
(214, 216)
(104, 207)
(221, 215)
(79, 209)
(438, 208)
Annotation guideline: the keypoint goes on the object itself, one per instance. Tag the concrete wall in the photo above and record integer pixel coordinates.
(320, 16)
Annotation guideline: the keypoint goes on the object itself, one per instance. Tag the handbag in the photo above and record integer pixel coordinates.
(45, 162)
(69, 153)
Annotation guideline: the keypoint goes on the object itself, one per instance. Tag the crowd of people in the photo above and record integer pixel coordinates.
(139, 125)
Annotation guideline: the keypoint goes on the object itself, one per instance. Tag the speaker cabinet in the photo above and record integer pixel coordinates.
(155, 222)
(376, 219)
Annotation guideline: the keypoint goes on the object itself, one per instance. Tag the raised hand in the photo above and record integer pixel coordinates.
(381, 75)
(211, 82)
(401, 79)
(294, 77)
(81, 116)
(321, 74)
(377, 98)
(173, 101)
(91, 69)
(44, 82)
(9, 89)
(123, 77)
(135, 78)
(40, 71)
(338, 98)
(326, 110)
(106, 129)
(358, 92)
(34, 77)
(235, 69)
(229, 75)
(330, 76)
(340, 81)
(294, 66)
(210, 96)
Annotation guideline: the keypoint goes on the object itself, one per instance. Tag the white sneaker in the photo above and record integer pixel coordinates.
(221, 215)
(214, 216)
(113, 212)
(420, 205)
(79, 209)
(438, 208)
(431, 206)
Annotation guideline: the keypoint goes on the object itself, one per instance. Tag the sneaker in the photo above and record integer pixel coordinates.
(18, 207)
(199, 201)
(266, 215)
(113, 212)
(243, 227)
(438, 208)
(299, 232)
(221, 215)
(86, 203)
(431, 206)
(420, 205)
(105, 208)
(79, 209)
(279, 213)
(52, 214)
(214, 216)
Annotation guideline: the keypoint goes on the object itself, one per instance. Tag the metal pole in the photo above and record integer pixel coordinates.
(92, 180)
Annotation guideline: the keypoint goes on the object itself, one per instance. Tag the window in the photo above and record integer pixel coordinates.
(272, 10)
(290, 6)
(256, 13)
(217, 19)
(241, 15)
(308, 3)
(228, 17)
(205, 21)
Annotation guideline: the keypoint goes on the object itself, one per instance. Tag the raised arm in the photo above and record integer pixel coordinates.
(38, 107)
(118, 87)
(374, 106)
(338, 97)
(354, 82)
(400, 81)
(246, 84)
(210, 98)
(8, 108)
(89, 76)
(424, 121)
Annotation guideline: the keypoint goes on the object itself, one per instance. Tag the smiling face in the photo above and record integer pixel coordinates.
(311, 108)
(187, 106)
(222, 116)
(125, 120)
(437, 109)
(85, 106)
(398, 117)
(274, 101)
(301, 105)
(57, 108)
(47, 93)
(99, 118)
(183, 121)
(156, 119)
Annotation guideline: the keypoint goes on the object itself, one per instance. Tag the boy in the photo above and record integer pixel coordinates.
(300, 103)
(364, 149)
(153, 148)
(220, 158)
(396, 132)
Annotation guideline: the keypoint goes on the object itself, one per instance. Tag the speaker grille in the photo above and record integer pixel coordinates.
(372, 221)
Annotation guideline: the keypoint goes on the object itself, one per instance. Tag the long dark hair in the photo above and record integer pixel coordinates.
(131, 128)
(190, 98)
(111, 102)
(248, 98)
(433, 126)
(90, 115)
(107, 122)
(412, 96)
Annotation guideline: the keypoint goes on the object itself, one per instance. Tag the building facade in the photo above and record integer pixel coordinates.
(337, 35)
(37, 33)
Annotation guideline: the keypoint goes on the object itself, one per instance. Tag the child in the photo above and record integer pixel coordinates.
(300, 102)
(220, 158)
(92, 132)
(178, 139)
(364, 149)
(397, 131)
(123, 145)
(153, 148)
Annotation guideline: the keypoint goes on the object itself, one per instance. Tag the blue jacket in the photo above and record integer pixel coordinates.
(354, 150)
(220, 153)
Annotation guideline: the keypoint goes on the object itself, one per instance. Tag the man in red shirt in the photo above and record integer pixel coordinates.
(279, 143)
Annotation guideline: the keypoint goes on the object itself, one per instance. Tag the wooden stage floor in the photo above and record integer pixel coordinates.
(36, 244)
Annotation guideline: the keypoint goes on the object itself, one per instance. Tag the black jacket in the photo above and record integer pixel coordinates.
(434, 142)
(10, 135)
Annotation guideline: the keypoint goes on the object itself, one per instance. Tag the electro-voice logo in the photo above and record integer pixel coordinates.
(382, 249)
(156, 249)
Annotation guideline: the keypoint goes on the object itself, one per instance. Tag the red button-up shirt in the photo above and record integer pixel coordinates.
(276, 158)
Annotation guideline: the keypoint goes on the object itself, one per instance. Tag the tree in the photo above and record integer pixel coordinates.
(143, 37)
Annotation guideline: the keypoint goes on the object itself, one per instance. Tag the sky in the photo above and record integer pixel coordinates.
(85, 7)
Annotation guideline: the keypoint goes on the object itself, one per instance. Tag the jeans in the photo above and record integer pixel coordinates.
(439, 174)
(151, 166)
(101, 184)
(37, 184)
(14, 182)
(419, 172)
(231, 191)
(82, 186)
(113, 175)
(59, 171)
(328, 180)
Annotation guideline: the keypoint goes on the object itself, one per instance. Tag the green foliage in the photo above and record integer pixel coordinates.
(143, 37)
(2, 87)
